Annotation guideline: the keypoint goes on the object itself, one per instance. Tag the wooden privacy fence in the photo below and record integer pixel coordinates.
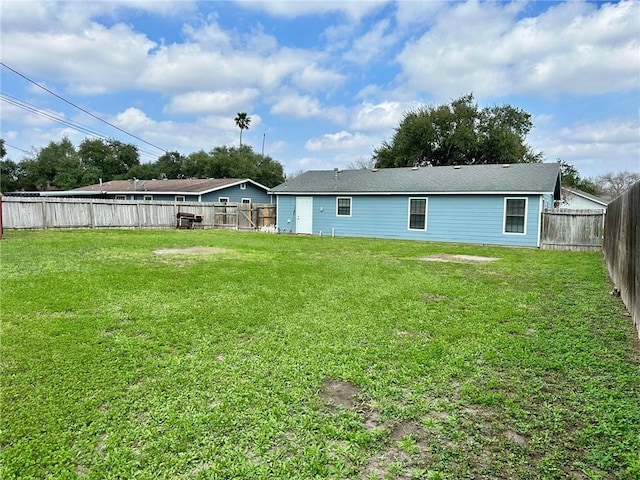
(243, 216)
(569, 229)
(50, 212)
(622, 248)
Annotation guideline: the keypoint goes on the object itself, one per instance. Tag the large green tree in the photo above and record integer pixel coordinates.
(54, 166)
(9, 171)
(571, 178)
(106, 159)
(171, 165)
(459, 133)
(235, 162)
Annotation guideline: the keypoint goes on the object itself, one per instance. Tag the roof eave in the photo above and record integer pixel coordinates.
(417, 192)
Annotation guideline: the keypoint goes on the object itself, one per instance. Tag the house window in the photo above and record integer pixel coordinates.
(246, 200)
(223, 199)
(343, 206)
(515, 214)
(179, 198)
(148, 198)
(417, 214)
(121, 197)
(243, 186)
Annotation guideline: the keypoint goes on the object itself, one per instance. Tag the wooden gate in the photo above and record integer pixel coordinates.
(244, 216)
(569, 229)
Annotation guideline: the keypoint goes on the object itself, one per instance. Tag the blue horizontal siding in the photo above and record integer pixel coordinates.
(234, 193)
(450, 218)
(286, 216)
(257, 195)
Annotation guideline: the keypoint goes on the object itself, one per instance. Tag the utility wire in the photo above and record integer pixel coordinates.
(57, 118)
(80, 108)
(17, 148)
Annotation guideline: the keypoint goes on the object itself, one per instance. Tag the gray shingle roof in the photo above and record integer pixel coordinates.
(586, 195)
(514, 178)
(192, 185)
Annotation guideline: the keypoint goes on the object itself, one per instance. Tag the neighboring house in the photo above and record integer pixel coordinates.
(240, 190)
(483, 204)
(577, 199)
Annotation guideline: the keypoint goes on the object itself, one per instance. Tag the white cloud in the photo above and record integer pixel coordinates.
(189, 66)
(418, 13)
(40, 118)
(133, 119)
(95, 60)
(573, 47)
(211, 102)
(342, 141)
(354, 10)
(312, 77)
(373, 44)
(295, 105)
(378, 117)
(204, 133)
(593, 148)
(208, 36)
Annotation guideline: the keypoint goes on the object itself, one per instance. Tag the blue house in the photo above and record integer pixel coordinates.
(226, 190)
(483, 204)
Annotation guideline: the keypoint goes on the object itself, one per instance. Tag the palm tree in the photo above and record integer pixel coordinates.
(242, 121)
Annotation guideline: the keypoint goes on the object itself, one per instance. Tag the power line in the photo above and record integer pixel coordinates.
(17, 148)
(57, 118)
(79, 108)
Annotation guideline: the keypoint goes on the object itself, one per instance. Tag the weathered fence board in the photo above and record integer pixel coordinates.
(51, 212)
(568, 229)
(622, 248)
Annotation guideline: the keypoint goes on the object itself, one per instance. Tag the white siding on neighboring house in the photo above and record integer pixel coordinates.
(575, 200)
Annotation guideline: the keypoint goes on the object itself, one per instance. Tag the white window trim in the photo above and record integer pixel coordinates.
(426, 214)
(120, 197)
(350, 206)
(180, 198)
(243, 186)
(148, 198)
(504, 215)
(223, 199)
(246, 200)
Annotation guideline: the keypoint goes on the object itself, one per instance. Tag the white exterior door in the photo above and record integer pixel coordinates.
(304, 215)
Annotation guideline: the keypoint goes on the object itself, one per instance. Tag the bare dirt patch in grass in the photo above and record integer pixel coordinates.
(446, 257)
(516, 438)
(339, 393)
(192, 251)
(429, 298)
(406, 446)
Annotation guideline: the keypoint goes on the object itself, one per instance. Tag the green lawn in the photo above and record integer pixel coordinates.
(281, 357)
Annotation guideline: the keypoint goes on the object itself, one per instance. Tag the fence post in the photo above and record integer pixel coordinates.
(92, 214)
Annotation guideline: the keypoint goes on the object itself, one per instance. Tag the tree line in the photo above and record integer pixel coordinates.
(62, 166)
(458, 133)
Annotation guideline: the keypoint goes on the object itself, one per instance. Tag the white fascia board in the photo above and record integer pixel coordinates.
(242, 180)
(69, 193)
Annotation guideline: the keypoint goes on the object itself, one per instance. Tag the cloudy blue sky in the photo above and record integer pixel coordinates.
(324, 82)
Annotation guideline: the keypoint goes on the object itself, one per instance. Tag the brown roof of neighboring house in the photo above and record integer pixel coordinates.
(191, 185)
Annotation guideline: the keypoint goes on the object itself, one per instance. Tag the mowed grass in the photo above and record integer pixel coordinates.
(281, 357)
